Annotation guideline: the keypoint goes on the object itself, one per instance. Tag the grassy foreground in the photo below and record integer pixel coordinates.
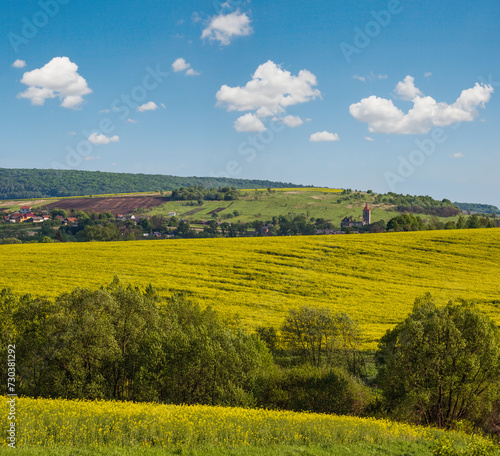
(47, 426)
(373, 277)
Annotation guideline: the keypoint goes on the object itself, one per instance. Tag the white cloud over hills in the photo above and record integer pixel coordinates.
(58, 78)
(382, 116)
(270, 91)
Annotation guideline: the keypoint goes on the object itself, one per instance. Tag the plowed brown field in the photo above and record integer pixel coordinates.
(115, 205)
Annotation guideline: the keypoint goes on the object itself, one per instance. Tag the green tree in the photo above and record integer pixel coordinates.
(441, 364)
(204, 361)
(321, 337)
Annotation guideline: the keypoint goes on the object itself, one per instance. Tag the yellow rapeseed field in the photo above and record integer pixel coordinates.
(372, 277)
(52, 422)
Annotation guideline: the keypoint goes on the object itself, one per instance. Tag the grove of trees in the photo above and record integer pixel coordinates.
(440, 366)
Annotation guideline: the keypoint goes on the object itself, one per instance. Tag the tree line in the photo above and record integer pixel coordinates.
(43, 183)
(200, 193)
(439, 366)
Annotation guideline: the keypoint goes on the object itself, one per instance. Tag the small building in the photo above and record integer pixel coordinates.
(172, 214)
(25, 209)
(348, 222)
(367, 215)
(35, 219)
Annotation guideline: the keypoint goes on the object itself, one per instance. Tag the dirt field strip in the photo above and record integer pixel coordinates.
(115, 205)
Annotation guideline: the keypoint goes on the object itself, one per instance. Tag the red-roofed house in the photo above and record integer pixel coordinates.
(25, 209)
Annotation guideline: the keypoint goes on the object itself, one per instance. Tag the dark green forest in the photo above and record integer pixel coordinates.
(476, 207)
(43, 183)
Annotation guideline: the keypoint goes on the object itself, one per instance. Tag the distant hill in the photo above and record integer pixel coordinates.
(43, 183)
(476, 207)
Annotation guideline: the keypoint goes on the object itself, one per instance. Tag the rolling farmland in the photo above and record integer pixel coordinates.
(374, 278)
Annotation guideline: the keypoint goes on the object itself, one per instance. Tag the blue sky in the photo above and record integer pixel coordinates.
(395, 95)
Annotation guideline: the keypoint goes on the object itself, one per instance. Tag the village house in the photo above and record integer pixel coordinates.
(348, 222)
(25, 209)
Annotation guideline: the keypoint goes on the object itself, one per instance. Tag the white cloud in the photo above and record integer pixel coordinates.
(249, 122)
(269, 92)
(383, 117)
(322, 136)
(72, 133)
(426, 75)
(132, 121)
(100, 139)
(163, 105)
(19, 64)
(149, 106)
(292, 121)
(457, 155)
(367, 138)
(224, 27)
(406, 89)
(58, 78)
(90, 157)
(180, 65)
(371, 77)
(104, 111)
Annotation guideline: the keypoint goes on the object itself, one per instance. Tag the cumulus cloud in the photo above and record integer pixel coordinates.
(100, 139)
(269, 92)
(225, 27)
(181, 65)
(457, 155)
(367, 138)
(149, 106)
(249, 122)
(322, 136)
(19, 64)
(58, 78)
(406, 89)
(382, 116)
(292, 121)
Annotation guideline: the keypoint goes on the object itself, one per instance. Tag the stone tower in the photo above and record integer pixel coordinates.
(367, 215)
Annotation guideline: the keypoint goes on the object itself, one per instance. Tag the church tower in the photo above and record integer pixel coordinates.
(367, 215)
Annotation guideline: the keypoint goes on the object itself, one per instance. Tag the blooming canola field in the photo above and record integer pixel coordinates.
(51, 422)
(372, 277)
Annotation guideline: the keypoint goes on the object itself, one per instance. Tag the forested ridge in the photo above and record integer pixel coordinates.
(42, 183)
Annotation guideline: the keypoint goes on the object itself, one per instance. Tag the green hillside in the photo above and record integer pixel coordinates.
(328, 204)
(43, 183)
